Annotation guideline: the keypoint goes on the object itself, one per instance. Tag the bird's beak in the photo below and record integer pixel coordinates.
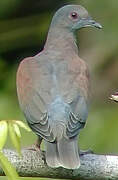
(86, 22)
(91, 22)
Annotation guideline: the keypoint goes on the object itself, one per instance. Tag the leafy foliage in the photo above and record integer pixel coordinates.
(3, 133)
(8, 168)
(11, 126)
(15, 134)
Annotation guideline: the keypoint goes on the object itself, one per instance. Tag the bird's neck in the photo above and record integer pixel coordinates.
(61, 40)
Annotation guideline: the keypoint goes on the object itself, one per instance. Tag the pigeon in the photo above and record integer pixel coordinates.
(53, 88)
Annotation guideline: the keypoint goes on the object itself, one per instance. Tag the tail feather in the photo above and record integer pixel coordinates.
(68, 153)
(64, 153)
(52, 157)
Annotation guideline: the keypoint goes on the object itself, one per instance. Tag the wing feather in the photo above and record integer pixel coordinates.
(77, 97)
(31, 101)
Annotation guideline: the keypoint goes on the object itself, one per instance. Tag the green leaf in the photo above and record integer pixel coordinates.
(17, 130)
(3, 133)
(7, 167)
(14, 137)
(23, 125)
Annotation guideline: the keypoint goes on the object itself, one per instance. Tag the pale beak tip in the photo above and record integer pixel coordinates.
(97, 25)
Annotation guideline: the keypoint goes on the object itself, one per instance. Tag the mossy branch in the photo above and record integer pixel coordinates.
(93, 166)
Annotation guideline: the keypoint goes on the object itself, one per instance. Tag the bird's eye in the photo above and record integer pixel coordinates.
(74, 15)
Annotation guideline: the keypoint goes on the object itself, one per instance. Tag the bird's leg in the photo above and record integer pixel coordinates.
(89, 151)
(36, 145)
(38, 142)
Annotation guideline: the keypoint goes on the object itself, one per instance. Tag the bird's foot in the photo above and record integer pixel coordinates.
(33, 147)
(38, 142)
(36, 145)
(89, 151)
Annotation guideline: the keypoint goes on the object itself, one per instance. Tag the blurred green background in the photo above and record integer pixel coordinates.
(23, 28)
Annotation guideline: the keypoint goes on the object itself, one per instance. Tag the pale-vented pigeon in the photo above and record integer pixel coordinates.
(53, 88)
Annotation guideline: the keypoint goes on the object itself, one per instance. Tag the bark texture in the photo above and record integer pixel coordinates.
(93, 166)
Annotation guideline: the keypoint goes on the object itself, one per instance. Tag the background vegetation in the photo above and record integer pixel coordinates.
(23, 29)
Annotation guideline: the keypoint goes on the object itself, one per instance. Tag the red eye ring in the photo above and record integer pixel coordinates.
(74, 15)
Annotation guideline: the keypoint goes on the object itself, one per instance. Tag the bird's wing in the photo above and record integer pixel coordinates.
(32, 79)
(77, 116)
(75, 90)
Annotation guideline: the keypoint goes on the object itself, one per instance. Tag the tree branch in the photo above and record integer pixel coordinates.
(93, 166)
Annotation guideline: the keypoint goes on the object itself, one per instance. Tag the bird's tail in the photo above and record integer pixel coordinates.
(64, 153)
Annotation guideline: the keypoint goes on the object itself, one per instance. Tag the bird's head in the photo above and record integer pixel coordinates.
(73, 17)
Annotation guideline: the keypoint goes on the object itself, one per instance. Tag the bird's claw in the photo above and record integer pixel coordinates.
(36, 145)
(89, 151)
(33, 147)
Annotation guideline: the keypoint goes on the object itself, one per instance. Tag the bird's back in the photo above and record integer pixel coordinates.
(65, 76)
